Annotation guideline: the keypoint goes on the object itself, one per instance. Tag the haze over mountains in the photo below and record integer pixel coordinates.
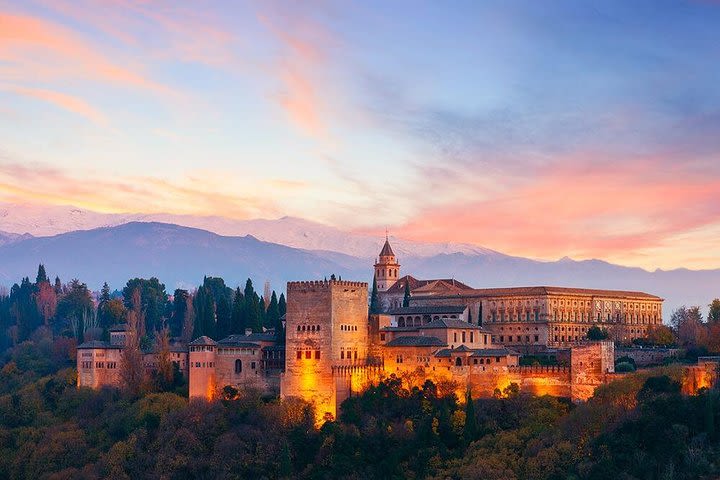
(96, 247)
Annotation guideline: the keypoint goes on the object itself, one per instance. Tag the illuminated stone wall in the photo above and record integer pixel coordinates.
(326, 325)
(202, 372)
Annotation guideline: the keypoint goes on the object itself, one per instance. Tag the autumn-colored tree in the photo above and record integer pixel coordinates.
(132, 371)
(46, 301)
(661, 335)
(162, 347)
(139, 313)
(688, 325)
(188, 320)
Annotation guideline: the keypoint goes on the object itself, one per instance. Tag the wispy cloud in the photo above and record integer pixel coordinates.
(37, 183)
(35, 50)
(64, 101)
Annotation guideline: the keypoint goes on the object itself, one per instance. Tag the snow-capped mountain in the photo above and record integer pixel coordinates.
(289, 231)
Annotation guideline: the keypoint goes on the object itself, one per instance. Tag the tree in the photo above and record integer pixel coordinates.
(189, 321)
(204, 313)
(406, 298)
(238, 312)
(470, 429)
(661, 335)
(72, 306)
(153, 299)
(224, 318)
(23, 308)
(132, 371)
(374, 300)
(46, 301)
(282, 305)
(58, 286)
(714, 311)
(688, 325)
(272, 314)
(597, 333)
(165, 365)
(41, 275)
(179, 311)
(103, 317)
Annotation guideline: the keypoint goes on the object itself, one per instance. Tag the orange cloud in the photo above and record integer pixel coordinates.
(64, 101)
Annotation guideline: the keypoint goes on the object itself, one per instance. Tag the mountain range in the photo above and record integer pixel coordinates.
(97, 247)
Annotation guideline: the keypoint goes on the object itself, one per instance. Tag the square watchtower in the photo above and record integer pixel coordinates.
(326, 327)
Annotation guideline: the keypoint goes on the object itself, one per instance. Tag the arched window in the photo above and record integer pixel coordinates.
(238, 366)
(401, 322)
(458, 362)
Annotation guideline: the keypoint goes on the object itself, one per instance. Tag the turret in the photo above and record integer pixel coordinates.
(387, 269)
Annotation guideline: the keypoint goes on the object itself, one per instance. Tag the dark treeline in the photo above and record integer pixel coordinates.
(71, 310)
(640, 427)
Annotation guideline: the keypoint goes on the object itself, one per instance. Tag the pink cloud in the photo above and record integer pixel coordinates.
(588, 212)
(38, 50)
(301, 60)
(66, 102)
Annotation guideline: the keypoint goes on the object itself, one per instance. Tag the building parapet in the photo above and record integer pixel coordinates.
(539, 369)
(326, 284)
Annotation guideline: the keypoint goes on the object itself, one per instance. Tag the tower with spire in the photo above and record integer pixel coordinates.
(387, 269)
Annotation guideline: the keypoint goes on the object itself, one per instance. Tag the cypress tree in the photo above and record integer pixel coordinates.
(470, 430)
(406, 298)
(374, 300)
(238, 312)
(41, 275)
(58, 286)
(272, 315)
(282, 305)
(224, 318)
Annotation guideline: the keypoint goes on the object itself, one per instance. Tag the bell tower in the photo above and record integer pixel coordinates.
(387, 269)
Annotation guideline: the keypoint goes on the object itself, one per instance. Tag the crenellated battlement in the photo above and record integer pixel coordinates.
(325, 284)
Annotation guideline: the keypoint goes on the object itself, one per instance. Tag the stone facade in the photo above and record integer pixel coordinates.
(250, 361)
(535, 318)
(99, 362)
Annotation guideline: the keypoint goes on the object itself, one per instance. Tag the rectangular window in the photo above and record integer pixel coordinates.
(252, 365)
(308, 354)
(497, 359)
(382, 337)
(502, 338)
(317, 354)
(472, 337)
(342, 354)
(537, 338)
(299, 354)
(355, 354)
(463, 337)
(454, 336)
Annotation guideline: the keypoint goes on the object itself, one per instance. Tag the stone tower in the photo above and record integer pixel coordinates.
(387, 269)
(327, 328)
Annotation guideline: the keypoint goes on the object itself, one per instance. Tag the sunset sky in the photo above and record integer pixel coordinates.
(588, 129)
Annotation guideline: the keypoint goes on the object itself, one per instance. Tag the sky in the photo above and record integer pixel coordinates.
(588, 129)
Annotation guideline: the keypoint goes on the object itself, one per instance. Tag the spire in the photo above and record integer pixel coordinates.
(387, 249)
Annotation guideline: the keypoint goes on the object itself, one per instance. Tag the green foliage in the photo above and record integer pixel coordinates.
(152, 299)
(406, 297)
(597, 333)
(624, 367)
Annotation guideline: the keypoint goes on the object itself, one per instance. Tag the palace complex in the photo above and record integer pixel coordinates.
(441, 330)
